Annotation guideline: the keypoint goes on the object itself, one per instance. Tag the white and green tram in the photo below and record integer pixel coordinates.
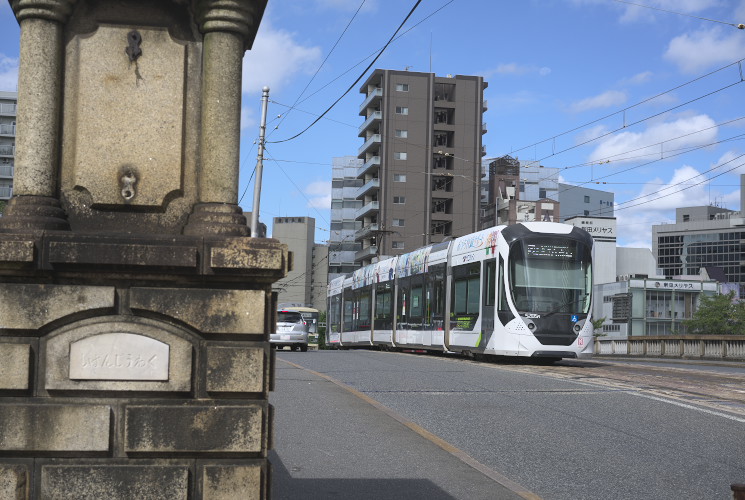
(518, 290)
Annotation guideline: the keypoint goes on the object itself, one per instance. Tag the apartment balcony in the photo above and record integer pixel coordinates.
(6, 171)
(371, 207)
(7, 109)
(371, 99)
(485, 105)
(366, 232)
(6, 129)
(483, 150)
(484, 128)
(374, 118)
(372, 143)
(7, 150)
(6, 193)
(367, 188)
(366, 253)
(370, 165)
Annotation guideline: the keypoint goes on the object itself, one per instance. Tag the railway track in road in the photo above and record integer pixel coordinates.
(724, 392)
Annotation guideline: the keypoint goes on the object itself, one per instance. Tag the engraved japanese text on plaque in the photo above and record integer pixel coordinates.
(119, 356)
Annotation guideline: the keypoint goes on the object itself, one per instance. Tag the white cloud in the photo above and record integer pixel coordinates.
(607, 99)
(656, 203)
(680, 133)
(248, 119)
(694, 52)
(638, 78)
(8, 73)
(276, 58)
(319, 193)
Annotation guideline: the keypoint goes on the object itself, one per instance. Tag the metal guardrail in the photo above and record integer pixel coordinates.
(729, 347)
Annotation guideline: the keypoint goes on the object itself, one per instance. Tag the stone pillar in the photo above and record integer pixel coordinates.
(229, 28)
(134, 353)
(35, 203)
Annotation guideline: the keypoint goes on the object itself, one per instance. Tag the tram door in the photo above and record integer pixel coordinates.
(488, 296)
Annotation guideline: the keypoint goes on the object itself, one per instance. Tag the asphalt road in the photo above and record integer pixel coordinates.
(367, 424)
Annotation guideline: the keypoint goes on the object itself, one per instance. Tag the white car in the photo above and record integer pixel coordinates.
(292, 331)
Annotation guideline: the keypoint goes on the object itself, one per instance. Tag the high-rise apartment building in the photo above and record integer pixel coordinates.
(421, 171)
(344, 206)
(8, 102)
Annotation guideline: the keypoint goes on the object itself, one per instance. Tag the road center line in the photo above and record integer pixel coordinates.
(456, 452)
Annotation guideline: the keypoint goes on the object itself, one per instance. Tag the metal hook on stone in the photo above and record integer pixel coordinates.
(133, 50)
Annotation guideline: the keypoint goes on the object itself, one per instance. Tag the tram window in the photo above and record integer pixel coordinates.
(490, 271)
(466, 290)
(416, 302)
(348, 315)
(363, 323)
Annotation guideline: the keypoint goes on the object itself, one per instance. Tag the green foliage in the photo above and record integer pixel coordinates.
(3, 204)
(717, 315)
(597, 326)
(322, 330)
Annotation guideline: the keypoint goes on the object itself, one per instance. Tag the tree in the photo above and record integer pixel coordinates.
(717, 315)
(597, 327)
(3, 204)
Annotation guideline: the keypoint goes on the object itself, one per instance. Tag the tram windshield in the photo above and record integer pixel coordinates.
(550, 274)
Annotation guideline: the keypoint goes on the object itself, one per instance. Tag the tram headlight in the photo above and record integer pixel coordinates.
(577, 327)
(531, 326)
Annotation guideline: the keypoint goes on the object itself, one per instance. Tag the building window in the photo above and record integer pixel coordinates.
(587, 199)
(587, 212)
(541, 193)
(398, 222)
(402, 110)
(686, 218)
(402, 87)
(399, 156)
(402, 133)
(399, 200)
(398, 245)
(399, 177)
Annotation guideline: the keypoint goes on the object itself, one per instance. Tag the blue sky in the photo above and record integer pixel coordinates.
(572, 85)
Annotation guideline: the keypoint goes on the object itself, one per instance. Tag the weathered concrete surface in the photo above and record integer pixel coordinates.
(114, 482)
(230, 482)
(208, 310)
(31, 306)
(14, 481)
(204, 429)
(14, 366)
(54, 428)
(234, 369)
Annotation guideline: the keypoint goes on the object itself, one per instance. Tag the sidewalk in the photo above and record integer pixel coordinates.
(330, 443)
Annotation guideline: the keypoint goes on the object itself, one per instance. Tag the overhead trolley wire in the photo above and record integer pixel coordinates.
(579, 127)
(380, 53)
(738, 26)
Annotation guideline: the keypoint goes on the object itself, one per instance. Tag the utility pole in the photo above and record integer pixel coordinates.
(259, 165)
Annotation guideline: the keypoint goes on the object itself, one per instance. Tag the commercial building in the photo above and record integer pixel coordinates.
(524, 192)
(703, 237)
(8, 102)
(344, 206)
(306, 283)
(421, 154)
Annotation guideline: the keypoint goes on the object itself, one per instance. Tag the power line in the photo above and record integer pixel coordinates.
(554, 137)
(320, 66)
(738, 26)
(380, 53)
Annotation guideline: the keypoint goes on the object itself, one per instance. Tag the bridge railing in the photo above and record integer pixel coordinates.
(729, 347)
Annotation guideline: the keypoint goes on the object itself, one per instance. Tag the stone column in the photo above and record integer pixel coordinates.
(35, 204)
(229, 27)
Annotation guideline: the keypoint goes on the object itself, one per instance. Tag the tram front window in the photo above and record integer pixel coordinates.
(549, 275)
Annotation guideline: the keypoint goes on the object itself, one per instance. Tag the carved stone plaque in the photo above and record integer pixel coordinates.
(118, 356)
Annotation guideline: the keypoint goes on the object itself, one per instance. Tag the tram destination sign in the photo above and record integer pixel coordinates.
(549, 250)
